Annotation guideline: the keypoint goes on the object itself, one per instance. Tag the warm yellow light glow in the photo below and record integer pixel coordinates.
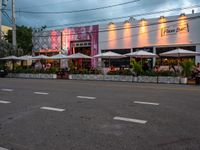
(162, 22)
(143, 24)
(143, 37)
(112, 35)
(162, 40)
(127, 25)
(127, 34)
(182, 20)
(183, 35)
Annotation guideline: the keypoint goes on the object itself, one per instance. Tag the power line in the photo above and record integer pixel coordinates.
(48, 4)
(7, 16)
(75, 11)
(122, 28)
(122, 17)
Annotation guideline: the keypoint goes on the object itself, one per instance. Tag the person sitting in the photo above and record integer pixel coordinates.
(38, 65)
(48, 66)
(198, 67)
(157, 68)
(196, 71)
(112, 68)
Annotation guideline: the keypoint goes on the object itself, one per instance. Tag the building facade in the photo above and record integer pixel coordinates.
(155, 35)
(5, 30)
(68, 41)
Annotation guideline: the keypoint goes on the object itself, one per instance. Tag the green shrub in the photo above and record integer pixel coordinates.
(187, 67)
(149, 73)
(166, 73)
(52, 70)
(137, 68)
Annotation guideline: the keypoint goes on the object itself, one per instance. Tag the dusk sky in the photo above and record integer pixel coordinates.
(132, 8)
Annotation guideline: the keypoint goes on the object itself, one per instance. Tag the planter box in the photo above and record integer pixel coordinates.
(148, 79)
(100, 77)
(169, 80)
(140, 79)
(183, 80)
(32, 76)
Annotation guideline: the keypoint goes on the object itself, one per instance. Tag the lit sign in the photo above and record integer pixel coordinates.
(174, 30)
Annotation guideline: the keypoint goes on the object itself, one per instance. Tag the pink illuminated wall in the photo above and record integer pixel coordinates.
(54, 37)
(85, 33)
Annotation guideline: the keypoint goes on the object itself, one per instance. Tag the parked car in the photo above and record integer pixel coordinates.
(3, 73)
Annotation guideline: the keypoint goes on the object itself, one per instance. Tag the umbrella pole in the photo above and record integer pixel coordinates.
(13, 62)
(178, 63)
(81, 64)
(109, 62)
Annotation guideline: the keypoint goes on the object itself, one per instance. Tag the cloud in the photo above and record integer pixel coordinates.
(70, 5)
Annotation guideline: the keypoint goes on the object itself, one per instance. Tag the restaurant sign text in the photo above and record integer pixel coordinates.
(170, 30)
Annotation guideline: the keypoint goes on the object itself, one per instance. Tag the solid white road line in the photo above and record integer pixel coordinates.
(130, 120)
(53, 109)
(7, 90)
(146, 103)
(1, 148)
(4, 102)
(41, 93)
(86, 97)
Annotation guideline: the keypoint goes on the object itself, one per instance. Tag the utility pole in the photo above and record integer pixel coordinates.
(0, 19)
(14, 43)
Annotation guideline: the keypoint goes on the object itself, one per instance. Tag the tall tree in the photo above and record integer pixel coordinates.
(24, 38)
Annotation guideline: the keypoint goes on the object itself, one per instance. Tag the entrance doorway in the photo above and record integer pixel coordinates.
(83, 47)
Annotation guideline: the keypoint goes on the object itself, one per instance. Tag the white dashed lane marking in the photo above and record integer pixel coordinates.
(130, 120)
(86, 97)
(4, 102)
(52, 109)
(41, 93)
(7, 90)
(1, 148)
(146, 103)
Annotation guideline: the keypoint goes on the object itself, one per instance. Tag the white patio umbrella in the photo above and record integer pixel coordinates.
(12, 58)
(141, 54)
(9, 58)
(179, 53)
(78, 56)
(40, 57)
(58, 56)
(109, 55)
(25, 57)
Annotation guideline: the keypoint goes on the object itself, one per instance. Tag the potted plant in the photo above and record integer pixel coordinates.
(137, 68)
(187, 67)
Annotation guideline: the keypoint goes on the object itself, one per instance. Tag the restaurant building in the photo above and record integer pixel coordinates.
(154, 35)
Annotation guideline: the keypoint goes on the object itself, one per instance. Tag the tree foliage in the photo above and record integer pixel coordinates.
(24, 38)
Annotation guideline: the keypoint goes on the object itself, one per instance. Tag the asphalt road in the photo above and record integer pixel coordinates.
(90, 115)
